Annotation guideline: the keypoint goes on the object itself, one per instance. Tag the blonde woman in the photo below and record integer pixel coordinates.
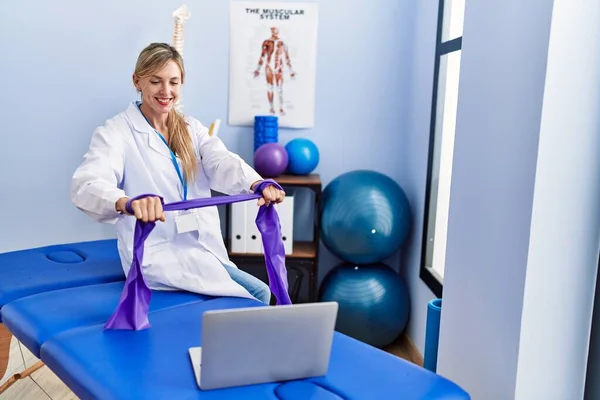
(151, 148)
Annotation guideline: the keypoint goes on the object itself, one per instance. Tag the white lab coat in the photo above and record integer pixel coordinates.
(127, 158)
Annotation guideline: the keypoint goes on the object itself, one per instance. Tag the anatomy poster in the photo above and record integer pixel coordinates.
(273, 62)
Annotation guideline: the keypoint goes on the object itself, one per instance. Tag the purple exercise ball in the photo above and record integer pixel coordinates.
(270, 160)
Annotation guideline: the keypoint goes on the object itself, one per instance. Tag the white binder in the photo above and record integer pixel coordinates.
(285, 210)
(253, 239)
(237, 227)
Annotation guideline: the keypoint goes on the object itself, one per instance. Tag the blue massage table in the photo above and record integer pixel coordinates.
(64, 326)
(36, 318)
(27, 272)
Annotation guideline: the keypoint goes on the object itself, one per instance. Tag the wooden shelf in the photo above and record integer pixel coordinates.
(301, 250)
(312, 179)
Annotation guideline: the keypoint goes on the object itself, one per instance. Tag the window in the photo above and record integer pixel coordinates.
(441, 146)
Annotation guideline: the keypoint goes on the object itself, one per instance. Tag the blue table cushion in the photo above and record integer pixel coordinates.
(27, 272)
(154, 364)
(37, 318)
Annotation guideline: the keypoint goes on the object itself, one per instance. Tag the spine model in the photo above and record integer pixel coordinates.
(180, 16)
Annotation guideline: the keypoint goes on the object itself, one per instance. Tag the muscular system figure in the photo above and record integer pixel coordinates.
(275, 52)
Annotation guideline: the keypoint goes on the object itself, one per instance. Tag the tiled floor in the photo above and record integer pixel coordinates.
(44, 385)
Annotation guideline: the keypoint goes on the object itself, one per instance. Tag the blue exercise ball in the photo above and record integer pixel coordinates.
(373, 302)
(303, 156)
(365, 217)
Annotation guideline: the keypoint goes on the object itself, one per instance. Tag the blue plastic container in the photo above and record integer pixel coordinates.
(432, 334)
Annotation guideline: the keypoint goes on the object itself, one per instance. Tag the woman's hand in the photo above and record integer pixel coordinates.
(147, 209)
(270, 194)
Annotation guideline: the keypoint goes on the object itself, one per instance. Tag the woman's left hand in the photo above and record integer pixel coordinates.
(270, 194)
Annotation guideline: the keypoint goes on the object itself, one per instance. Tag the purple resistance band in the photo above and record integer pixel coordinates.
(132, 310)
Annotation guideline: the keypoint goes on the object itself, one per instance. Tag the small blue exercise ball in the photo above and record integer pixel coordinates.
(373, 302)
(303, 156)
(365, 217)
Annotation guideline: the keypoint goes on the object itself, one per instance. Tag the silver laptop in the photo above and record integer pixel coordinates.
(246, 346)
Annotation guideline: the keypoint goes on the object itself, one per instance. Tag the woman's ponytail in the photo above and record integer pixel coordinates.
(182, 144)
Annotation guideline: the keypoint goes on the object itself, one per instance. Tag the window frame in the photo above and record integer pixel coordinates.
(441, 49)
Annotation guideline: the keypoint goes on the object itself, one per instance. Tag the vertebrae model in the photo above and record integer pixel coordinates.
(180, 15)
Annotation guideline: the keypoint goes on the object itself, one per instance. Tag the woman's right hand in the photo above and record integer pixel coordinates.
(147, 209)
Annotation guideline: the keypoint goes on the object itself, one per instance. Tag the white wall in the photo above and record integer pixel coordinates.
(565, 226)
(415, 141)
(523, 226)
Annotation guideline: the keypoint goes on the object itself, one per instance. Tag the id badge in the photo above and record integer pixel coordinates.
(186, 221)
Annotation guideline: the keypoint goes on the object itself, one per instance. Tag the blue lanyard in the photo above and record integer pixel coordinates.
(173, 158)
(176, 165)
